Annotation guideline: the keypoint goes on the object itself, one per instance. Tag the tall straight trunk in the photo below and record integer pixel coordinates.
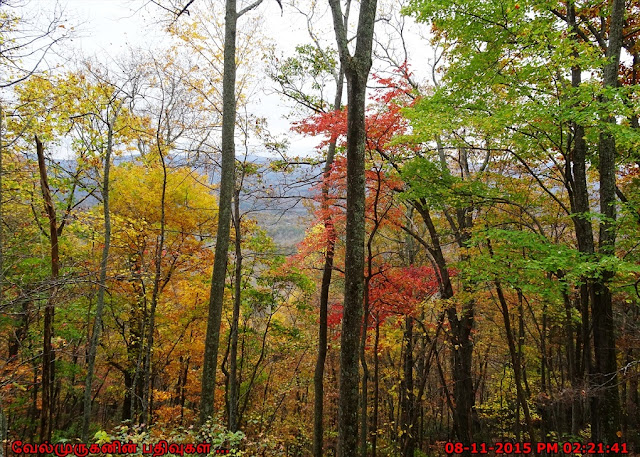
(318, 375)
(578, 191)
(461, 359)
(376, 388)
(227, 181)
(364, 417)
(364, 420)
(212, 339)
(233, 351)
(357, 72)
(102, 284)
(605, 403)
(135, 353)
(48, 374)
(354, 267)
(146, 372)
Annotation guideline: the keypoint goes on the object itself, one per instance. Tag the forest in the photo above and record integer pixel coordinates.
(452, 269)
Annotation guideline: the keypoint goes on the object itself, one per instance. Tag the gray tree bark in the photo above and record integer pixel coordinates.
(227, 177)
(212, 339)
(605, 404)
(356, 69)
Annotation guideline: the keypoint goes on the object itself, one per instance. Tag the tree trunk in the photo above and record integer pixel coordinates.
(354, 266)
(364, 417)
(102, 284)
(147, 388)
(461, 326)
(376, 388)
(48, 374)
(227, 179)
(578, 191)
(356, 71)
(605, 404)
(233, 352)
(318, 376)
(126, 401)
(463, 392)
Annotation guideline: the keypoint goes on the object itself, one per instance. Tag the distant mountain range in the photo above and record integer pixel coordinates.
(274, 196)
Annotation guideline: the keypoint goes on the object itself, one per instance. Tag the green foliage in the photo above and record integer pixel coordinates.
(310, 61)
(429, 180)
(212, 432)
(303, 76)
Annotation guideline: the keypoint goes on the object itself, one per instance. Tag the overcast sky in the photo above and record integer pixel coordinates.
(107, 28)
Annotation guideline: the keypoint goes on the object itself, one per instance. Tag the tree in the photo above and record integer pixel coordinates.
(189, 222)
(48, 367)
(605, 410)
(27, 42)
(105, 103)
(227, 179)
(318, 64)
(552, 136)
(39, 98)
(356, 69)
